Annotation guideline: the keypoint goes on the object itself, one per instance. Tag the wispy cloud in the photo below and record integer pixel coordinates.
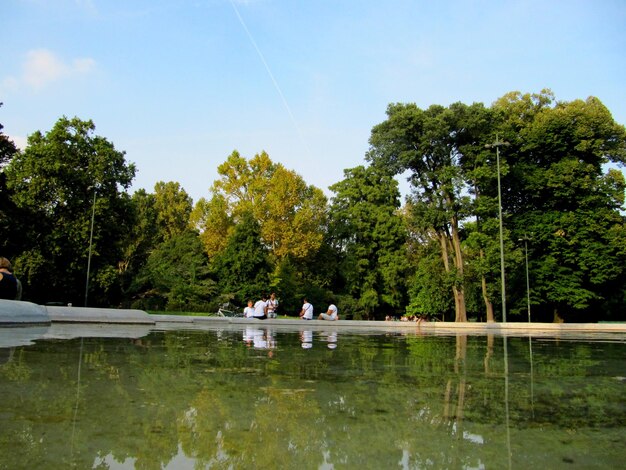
(42, 67)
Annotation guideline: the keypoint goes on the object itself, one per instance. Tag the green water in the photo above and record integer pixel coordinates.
(263, 398)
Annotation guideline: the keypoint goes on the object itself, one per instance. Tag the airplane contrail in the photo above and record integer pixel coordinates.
(269, 72)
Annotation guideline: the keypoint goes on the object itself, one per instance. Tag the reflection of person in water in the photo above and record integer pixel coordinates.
(332, 340)
(306, 337)
(260, 338)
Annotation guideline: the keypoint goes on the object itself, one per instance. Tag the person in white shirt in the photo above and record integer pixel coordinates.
(331, 314)
(272, 305)
(248, 312)
(260, 309)
(307, 310)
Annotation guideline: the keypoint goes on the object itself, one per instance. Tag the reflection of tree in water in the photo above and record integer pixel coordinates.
(419, 401)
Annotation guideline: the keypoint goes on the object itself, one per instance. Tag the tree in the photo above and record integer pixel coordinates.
(370, 236)
(557, 189)
(291, 215)
(173, 208)
(213, 220)
(175, 276)
(55, 180)
(242, 267)
(9, 214)
(7, 147)
(427, 144)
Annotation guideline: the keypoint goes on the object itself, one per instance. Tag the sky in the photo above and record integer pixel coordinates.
(180, 84)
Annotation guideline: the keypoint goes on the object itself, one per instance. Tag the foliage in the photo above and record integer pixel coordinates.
(242, 268)
(175, 276)
(290, 214)
(370, 235)
(429, 289)
(55, 180)
(9, 214)
(173, 209)
(427, 143)
(560, 194)
(264, 229)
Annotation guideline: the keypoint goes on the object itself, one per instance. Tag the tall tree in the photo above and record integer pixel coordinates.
(173, 207)
(242, 268)
(426, 143)
(9, 215)
(291, 214)
(175, 277)
(559, 190)
(370, 235)
(56, 179)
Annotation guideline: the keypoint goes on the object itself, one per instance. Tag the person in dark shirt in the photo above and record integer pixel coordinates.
(9, 285)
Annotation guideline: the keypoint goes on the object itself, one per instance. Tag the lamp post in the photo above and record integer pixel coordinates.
(525, 240)
(93, 216)
(497, 144)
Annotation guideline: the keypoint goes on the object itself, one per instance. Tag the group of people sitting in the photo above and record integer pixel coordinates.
(266, 308)
(263, 309)
(10, 285)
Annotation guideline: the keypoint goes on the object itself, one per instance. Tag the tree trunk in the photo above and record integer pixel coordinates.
(557, 318)
(457, 291)
(488, 304)
(489, 353)
(461, 311)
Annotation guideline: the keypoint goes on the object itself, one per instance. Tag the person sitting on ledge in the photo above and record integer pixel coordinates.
(307, 310)
(9, 284)
(331, 314)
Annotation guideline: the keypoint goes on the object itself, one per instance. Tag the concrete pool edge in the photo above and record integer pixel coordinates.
(20, 313)
(426, 327)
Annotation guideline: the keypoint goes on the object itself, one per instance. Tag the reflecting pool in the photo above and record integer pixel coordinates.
(261, 397)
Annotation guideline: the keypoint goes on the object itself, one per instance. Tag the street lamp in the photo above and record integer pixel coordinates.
(497, 144)
(525, 240)
(93, 216)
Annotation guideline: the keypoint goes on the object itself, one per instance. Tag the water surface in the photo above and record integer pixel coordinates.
(258, 397)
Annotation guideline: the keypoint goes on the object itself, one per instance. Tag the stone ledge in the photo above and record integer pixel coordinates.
(98, 315)
(19, 313)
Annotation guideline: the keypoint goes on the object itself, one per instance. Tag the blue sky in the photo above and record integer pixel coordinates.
(179, 84)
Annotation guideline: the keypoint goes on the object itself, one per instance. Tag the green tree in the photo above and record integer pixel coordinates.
(242, 267)
(175, 277)
(173, 208)
(10, 216)
(7, 147)
(213, 220)
(55, 180)
(427, 143)
(291, 215)
(370, 235)
(559, 191)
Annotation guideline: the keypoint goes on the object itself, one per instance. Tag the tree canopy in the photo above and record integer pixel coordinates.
(263, 228)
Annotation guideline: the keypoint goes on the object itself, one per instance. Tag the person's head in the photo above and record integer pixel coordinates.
(250, 303)
(273, 295)
(5, 263)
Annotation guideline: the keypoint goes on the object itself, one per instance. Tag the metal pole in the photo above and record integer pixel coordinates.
(497, 144)
(93, 216)
(527, 277)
